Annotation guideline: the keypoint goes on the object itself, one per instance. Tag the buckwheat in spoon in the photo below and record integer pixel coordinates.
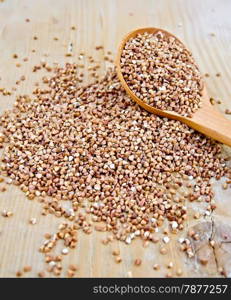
(160, 74)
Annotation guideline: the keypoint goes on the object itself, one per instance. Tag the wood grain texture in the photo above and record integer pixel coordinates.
(105, 22)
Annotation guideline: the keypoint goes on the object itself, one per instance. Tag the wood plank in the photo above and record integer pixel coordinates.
(103, 22)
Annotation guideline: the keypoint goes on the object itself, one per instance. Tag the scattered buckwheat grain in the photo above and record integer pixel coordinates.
(137, 262)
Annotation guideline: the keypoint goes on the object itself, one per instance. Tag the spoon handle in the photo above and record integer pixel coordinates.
(212, 123)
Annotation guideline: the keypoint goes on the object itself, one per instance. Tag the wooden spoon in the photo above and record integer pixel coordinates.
(206, 119)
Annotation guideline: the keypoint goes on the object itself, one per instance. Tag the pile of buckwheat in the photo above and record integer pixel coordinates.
(162, 72)
(94, 147)
(118, 168)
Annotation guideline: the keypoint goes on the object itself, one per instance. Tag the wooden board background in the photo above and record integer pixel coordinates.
(204, 26)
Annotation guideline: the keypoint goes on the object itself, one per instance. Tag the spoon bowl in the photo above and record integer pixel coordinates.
(206, 119)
